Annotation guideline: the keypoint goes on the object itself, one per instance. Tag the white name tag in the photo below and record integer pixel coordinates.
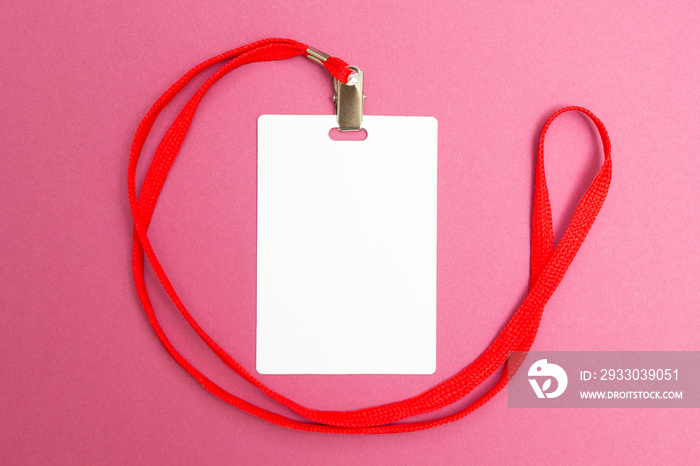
(347, 230)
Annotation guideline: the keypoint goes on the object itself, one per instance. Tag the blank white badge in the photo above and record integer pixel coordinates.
(347, 235)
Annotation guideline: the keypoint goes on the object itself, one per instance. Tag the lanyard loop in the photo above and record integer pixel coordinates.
(548, 265)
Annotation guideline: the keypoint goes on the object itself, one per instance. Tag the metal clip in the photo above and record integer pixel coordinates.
(349, 99)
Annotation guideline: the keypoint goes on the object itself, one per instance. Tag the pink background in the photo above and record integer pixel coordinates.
(83, 377)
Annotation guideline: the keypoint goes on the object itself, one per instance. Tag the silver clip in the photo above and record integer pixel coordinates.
(349, 99)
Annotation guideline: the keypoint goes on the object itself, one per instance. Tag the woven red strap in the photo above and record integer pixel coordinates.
(548, 266)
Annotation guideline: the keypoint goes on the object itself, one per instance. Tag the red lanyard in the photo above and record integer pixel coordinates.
(548, 266)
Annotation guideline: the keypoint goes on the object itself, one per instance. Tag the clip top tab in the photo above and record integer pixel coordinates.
(348, 100)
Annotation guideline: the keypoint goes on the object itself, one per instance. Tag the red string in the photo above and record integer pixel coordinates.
(548, 266)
